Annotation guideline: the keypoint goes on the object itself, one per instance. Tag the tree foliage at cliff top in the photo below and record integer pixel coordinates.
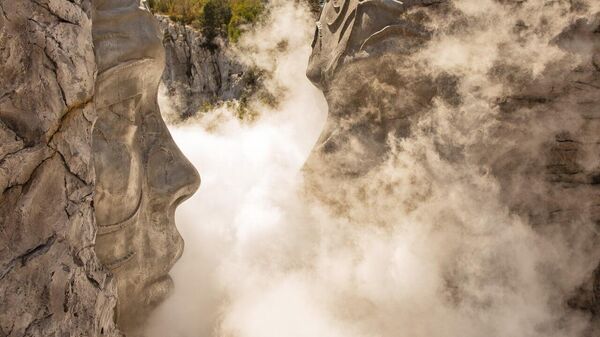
(226, 18)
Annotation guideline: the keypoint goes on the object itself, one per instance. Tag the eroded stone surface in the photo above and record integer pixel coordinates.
(197, 74)
(76, 147)
(51, 282)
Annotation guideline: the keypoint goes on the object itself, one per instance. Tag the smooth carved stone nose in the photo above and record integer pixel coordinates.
(170, 174)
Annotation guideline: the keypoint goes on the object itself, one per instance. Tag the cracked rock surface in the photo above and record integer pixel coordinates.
(198, 74)
(51, 282)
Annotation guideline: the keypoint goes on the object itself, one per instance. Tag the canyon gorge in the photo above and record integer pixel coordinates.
(439, 177)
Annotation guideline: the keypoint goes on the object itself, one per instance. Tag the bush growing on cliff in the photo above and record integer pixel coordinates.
(244, 13)
(226, 18)
(184, 11)
(215, 18)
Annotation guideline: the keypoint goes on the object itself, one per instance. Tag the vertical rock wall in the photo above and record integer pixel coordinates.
(51, 283)
(198, 75)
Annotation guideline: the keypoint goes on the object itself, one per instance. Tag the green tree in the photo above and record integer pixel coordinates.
(244, 13)
(215, 18)
(226, 18)
(188, 10)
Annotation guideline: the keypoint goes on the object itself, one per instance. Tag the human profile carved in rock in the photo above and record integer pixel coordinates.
(141, 175)
(358, 48)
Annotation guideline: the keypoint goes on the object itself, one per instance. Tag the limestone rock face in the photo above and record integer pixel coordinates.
(503, 91)
(89, 174)
(51, 282)
(198, 74)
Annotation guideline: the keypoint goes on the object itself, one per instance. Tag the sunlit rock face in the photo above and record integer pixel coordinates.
(199, 74)
(500, 92)
(51, 282)
(141, 174)
(89, 175)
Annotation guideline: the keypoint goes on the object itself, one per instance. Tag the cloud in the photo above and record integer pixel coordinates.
(437, 238)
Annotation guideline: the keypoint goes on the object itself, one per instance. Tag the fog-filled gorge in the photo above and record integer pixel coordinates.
(250, 174)
(426, 244)
(414, 168)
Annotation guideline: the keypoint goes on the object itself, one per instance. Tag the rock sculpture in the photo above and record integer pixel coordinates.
(533, 102)
(358, 42)
(348, 28)
(141, 174)
(89, 175)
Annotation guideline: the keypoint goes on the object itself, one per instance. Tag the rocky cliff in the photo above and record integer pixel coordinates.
(51, 283)
(200, 73)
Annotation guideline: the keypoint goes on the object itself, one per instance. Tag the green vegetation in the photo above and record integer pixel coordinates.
(225, 18)
(244, 13)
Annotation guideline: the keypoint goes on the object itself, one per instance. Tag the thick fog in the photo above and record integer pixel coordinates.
(426, 247)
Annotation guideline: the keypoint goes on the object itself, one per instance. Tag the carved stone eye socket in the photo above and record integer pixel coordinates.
(126, 110)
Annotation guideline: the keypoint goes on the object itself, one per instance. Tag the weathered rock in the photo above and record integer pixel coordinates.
(199, 74)
(141, 174)
(75, 147)
(51, 282)
(510, 96)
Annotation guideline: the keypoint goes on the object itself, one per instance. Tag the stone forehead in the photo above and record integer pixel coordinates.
(124, 33)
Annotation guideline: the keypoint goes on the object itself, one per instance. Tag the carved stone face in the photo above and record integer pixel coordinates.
(358, 28)
(141, 175)
(361, 54)
(535, 138)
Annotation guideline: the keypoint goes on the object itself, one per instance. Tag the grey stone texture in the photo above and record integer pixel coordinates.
(51, 282)
(199, 74)
(89, 174)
